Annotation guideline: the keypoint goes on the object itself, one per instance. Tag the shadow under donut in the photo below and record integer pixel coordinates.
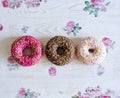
(44, 41)
(76, 42)
(5, 46)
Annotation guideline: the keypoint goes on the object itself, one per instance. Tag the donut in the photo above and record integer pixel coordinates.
(26, 50)
(90, 51)
(59, 50)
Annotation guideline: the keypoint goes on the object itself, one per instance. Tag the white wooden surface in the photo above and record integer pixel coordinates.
(45, 22)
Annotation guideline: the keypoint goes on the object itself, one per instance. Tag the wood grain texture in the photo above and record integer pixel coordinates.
(45, 22)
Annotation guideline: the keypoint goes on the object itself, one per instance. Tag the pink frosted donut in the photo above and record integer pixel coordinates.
(26, 50)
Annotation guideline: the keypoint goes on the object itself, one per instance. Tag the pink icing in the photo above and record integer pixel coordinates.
(20, 44)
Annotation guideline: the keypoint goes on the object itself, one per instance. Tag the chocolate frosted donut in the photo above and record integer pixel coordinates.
(59, 50)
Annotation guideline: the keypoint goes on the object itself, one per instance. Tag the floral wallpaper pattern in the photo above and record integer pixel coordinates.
(52, 71)
(18, 3)
(90, 92)
(109, 44)
(96, 92)
(72, 27)
(26, 93)
(100, 70)
(24, 29)
(12, 65)
(95, 6)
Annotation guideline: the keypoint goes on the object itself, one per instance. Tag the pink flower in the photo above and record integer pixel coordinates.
(105, 97)
(83, 97)
(68, 33)
(70, 25)
(79, 93)
(11, 59)
(32, 3)
(103, 9)
(52, 71)
(45, 0)
(1, 27)
(97, 2)
(22, 92)
(16, 3)
(107, 41)
(5, 3)
(110, 92)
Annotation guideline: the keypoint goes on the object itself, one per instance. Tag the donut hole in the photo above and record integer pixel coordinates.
(61, 50)
(91, 50)
(27, 51)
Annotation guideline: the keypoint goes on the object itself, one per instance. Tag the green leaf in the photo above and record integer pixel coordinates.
(77, 24)
(95, 14)
(75, 96)
(87, 3)
(90, 12)
(79, 28)
(65, 29)
(28, 91)
(86, 9)
(91, 6)
(74, 33)
(97, 9)
(25, 97)
(107, 3)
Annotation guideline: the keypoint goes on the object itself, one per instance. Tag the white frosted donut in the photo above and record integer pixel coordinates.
(91, 51)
